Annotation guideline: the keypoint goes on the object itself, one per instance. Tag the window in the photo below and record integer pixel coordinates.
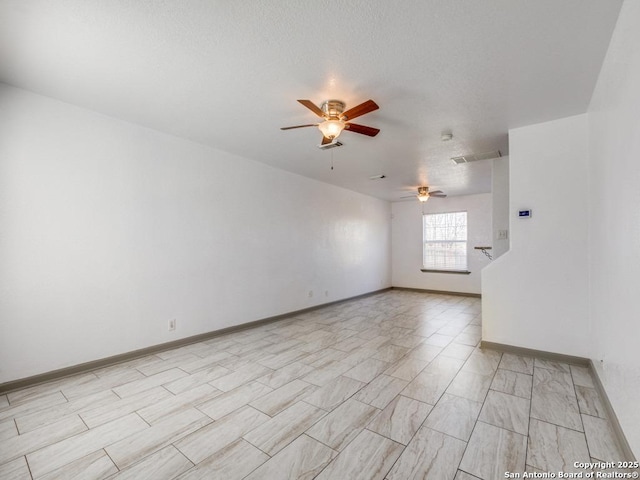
(445, 241)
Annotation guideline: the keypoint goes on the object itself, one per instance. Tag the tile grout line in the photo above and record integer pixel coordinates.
(483, 401)
(111, 459)
(28, 466)
(575, 394)
(526, 454)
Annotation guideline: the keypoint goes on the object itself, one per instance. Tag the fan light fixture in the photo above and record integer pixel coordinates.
(331, 128)
(423, 194)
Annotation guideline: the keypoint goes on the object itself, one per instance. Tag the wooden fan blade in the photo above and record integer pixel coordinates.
(435, 191)
(313, 107)
(300, 126)
(438, 195)
(363, 129)
(325, 140)
(409, 196)
(366, 107)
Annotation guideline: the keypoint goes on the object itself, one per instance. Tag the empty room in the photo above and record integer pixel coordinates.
(333, 240)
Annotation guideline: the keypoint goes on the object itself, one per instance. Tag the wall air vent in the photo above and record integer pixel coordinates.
(474, 157)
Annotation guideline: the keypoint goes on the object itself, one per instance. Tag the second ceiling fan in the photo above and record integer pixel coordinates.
(424, 194)
(336, 119)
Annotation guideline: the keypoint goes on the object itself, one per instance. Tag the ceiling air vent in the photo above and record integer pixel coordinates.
(474, 157)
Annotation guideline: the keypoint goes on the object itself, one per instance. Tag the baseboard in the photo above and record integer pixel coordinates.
(587, 362)
(438, 292)
(31, 381)
(530, 352)
(611, 415)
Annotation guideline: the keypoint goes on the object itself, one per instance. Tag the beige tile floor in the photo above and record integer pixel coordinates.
(391, 386)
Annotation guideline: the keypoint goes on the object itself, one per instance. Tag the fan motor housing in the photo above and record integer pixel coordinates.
(332, 108)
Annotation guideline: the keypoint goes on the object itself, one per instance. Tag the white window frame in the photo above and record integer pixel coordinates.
(449, 238)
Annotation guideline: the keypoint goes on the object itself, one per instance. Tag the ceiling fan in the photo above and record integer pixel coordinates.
(336, 119)
(424, 194)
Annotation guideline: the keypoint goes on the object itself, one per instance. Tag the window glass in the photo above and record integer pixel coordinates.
(445, 241)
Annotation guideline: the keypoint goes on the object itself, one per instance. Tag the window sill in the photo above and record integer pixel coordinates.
(459, 272)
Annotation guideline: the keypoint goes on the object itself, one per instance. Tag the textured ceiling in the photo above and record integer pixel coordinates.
(228, 73)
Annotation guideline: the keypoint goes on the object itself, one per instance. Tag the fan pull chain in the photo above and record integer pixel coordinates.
(331, 160)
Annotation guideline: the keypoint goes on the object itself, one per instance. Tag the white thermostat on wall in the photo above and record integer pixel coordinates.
(524, 213)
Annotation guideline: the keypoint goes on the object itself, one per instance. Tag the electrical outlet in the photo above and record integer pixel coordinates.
(503, 234)
(172, 324)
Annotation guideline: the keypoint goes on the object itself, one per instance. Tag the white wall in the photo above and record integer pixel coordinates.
(535, 295)
(109, 230)
(500, 216)
(407, 242)
(614, 240)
